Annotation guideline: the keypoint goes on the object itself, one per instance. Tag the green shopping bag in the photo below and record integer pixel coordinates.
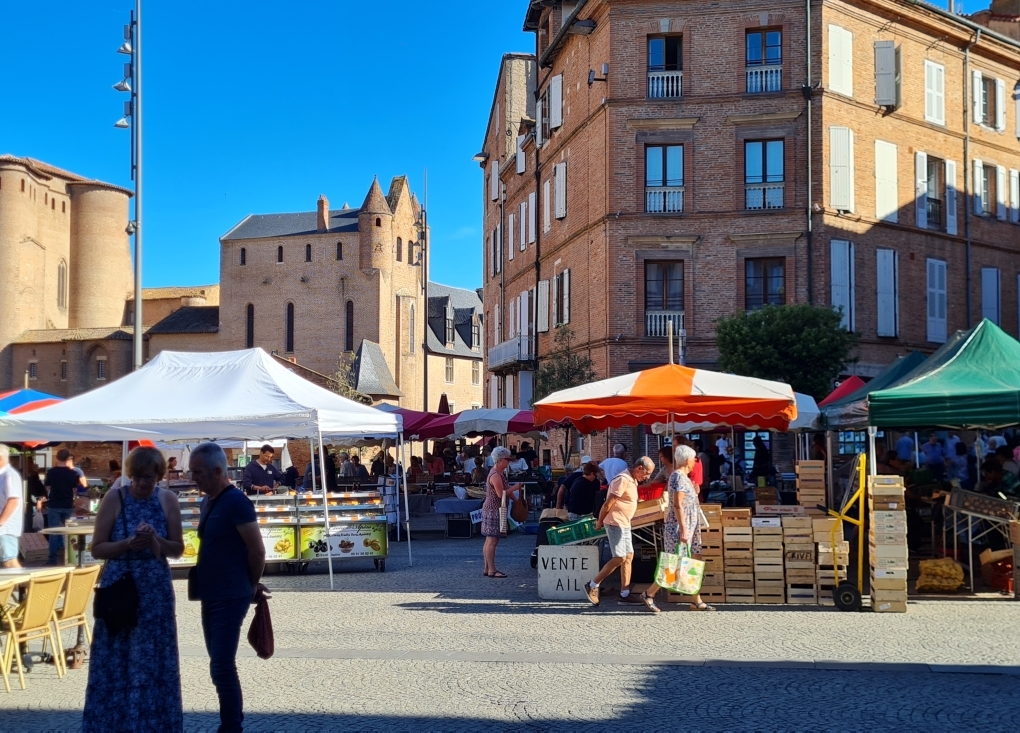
(680, 573)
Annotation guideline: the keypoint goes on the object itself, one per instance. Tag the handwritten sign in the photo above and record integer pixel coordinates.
(563, 571)
(476, 516)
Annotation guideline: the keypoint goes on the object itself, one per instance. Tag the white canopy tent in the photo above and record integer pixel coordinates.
(183, 396)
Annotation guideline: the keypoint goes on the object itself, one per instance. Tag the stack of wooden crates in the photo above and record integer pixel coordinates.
(799, 560)
(887, 544)
(769, 579)
(713, 588)
(832, 555)
(738, 555)
(811, 486)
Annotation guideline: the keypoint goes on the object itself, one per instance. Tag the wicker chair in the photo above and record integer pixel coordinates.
(33, 620)
(81, 583)
(6, 590)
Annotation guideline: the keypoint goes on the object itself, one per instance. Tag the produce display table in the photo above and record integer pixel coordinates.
(982, 516)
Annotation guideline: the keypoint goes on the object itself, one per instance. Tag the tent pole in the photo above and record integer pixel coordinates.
(831, 491)
(872, 469)
(407, 507)
(123, 459)
(325, 507)
(917, 452)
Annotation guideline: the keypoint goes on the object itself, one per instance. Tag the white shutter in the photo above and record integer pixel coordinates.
(990, 294)
(511, 319)
(840, 168)
(565, 284)
(556, 101)
(950, 196)
(523, 319)
(494, 392)
(560, 174)
(520, 154)
(543, 306)
(921, 189)
(1000, 105)
(532, 217)
(936, 301)
(885, 73)
(887, 289)
(1000, 192)
(978, 185)
(538, 124)
(555, 300)
(499, 248)
(510, 236)
(508, 392)
(977, 92)
(886, 182)
(494, 180)
(1014, 196)
(497, 326)
(850, 157)
(840, 265)
(934, 92)
(526, 389)
(546, 210)
(522, 222)
(841, 63)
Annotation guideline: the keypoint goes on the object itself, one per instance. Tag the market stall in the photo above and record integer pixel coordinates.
(472, 423)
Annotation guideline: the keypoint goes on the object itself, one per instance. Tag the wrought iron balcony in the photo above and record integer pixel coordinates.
(764, 79)
(664, 199)
(763, 196)
(934, 211)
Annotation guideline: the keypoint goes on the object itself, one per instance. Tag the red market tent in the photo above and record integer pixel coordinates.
(846, 387)
(479, 422)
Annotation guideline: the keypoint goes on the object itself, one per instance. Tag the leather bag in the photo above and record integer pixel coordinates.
(260, 633)
(519, 509)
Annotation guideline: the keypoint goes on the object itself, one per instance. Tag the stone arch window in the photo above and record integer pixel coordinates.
(339, 250)
(63, 207)
(290, 328)
(308, 253)
(410, 253)
(23, 185)
(279, 253)
(62, 285)
(400, 250)
(244, 256)
(349, 327)
(249, 326)
(411, 330)
(378, 221)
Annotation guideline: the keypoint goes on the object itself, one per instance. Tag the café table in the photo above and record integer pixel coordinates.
(81, 531)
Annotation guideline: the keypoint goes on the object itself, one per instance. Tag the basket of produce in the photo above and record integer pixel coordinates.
(943, 575)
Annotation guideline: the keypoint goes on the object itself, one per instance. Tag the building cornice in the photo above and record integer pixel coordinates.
(771, 237)
(663, 123)
(765, 118)
(666, 242)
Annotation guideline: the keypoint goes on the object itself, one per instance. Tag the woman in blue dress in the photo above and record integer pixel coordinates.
(134, 673)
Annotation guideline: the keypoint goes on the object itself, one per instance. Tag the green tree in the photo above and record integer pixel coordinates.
(562, 369)
(802, 345)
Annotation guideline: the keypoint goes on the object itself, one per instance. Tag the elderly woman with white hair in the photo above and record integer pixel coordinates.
(496, 487)
(683, 521)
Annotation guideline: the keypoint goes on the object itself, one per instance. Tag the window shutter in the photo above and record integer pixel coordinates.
(1016, 104)
(560, 173)
(538, 124)
(543, 306)
(555, 301)
(511, 319)
(508, 392)
(936, 301)
(494, 180)
(525, 389)
(934, 92)
(532, 217)
(523, 320)
(841, 70)
(493, 392)
(977, 92)
(885, 73)
(990, 294)
(510, 236)
(1000, 193)
(556, 101)
(497, 327)
(546, 210)
(839, 268)
(565, 284)
(520, 154)
(522, 219)
(1014, 196)
(887, 291)
(950, 197)
(921, 190)
(977, 181)
(1000, 105)
(840, 175)
(499, 248)
(886, 185)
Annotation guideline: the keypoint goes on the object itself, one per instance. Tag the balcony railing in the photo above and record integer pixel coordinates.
(759, 196)
(934, 211)
(764, 79)
(664, 199)
(657, 323)
(665, 84)
(512, 351)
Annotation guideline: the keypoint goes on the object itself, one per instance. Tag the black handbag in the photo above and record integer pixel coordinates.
(117, 604)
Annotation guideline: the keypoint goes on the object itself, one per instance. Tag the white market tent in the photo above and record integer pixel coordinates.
(183, 396)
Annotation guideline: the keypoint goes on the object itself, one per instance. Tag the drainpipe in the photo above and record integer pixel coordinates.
(967, 168)
(807, 90)
(538, 244)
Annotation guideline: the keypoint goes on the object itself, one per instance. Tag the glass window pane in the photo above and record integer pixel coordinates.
(653, 286)
(656, 53)
(673, 55)
(675, 165)
(653, 166)
(753, 162)
(774, 159)
(753, 49)
(773, 47)
(675, 286)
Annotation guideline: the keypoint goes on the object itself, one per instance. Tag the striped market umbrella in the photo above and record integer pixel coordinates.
(25, 400)
(471, 423)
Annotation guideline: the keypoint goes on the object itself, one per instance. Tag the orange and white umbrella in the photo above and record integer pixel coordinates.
(671, 392)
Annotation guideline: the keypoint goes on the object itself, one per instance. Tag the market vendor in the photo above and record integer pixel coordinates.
(995, 479)
(435, 465)
(261, 476)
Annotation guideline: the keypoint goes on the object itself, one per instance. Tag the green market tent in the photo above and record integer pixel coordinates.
(851, 412)
(972, 381)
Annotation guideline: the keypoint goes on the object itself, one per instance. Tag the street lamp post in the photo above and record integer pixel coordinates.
(132, 84)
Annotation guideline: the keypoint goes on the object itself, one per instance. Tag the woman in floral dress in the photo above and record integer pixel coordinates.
(134, 673)
(496, 486)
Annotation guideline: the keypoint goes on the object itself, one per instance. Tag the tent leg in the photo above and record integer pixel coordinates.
(123, 459)
(831, 491)
(917, 452)
(325, 509)
(872, 469)
(407, 506)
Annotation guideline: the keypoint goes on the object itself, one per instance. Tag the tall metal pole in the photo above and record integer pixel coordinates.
(136, 134)
(425, 289)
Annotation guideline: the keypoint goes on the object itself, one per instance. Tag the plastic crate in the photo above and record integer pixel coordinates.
(562, 534)
(651, 491)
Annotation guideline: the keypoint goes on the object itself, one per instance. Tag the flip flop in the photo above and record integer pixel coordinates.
(497, 574)
(702, 607)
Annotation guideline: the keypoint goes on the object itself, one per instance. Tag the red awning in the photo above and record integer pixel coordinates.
(846, 387)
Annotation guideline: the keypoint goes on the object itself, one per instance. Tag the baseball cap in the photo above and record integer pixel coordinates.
(585, 459)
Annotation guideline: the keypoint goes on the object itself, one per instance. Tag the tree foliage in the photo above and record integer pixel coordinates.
(802, 345)
(562, 369)
(342, 381)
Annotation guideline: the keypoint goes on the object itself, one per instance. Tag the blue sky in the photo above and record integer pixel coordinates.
(259, 107)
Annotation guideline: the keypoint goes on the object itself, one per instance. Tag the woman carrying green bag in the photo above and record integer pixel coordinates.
(683, 521)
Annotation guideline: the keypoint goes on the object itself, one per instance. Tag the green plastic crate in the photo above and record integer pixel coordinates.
(562, 534)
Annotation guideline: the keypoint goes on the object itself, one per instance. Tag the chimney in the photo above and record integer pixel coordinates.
(322, 220)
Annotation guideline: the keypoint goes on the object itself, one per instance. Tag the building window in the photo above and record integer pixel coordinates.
(339, 250)
(936, 193)
(987, 189)
(665, 67)
(53, 204)
(62, 285)
(244, 256)
(63, 371)
(476, 373)
(934, 92)
(290, 328)
(764, 59)
(400, 250)
(101, 369)
(33, 370)
(279, 253)
(989, 115)
(349, 327)
(411, 332)
(63, 207)
(249, 327)
(763, 174)
(544, 128)
(476, 333)
(764, 282)
(664, 297)
(23, 185)
(664, 178)
(308, 253)
(450, 333)
(378, 221)
(449, 370)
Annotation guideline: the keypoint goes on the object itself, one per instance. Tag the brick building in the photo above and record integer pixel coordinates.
(663, 164)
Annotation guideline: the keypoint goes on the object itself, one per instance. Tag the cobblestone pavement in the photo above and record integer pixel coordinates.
(438, 647)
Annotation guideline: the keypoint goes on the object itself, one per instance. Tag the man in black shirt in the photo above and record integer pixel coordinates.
(528, 453)
(261, 476)
(61, 483)
(581, 494)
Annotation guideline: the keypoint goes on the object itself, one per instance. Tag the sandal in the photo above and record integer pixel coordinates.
(702, 607)
(496, 574)
(649, 602)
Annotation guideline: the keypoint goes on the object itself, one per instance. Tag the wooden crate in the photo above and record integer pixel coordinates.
(768, 565)
(800, 556)
(758, 523)
(822, 527)
(712, 549)
(713, 563)
(798, 522)
(888, 584)
(824, 592)
(714, 580)
(767, 531)
(885, 485)
(888, 606)
(736, 517)
(769, 579)
(801, 577)
(890, 538)
(809, 466)
(737, 553)
(898, 595)
(886, 503)
(712, 510)
(739, 595)
(889, 573)
(737, 534)
(770, 597)
(801, 594)
(740, 578)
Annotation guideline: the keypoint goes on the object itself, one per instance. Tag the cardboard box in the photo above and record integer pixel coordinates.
(889, 607)
(888, 551)
(892, 538)
(899, 595)
(888, 563)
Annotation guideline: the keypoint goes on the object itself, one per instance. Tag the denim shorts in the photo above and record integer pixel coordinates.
(8, 547)
(620, 542)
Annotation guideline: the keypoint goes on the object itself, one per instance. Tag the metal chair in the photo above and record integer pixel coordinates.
(81, 583)
(6, 590)
(33, 619)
